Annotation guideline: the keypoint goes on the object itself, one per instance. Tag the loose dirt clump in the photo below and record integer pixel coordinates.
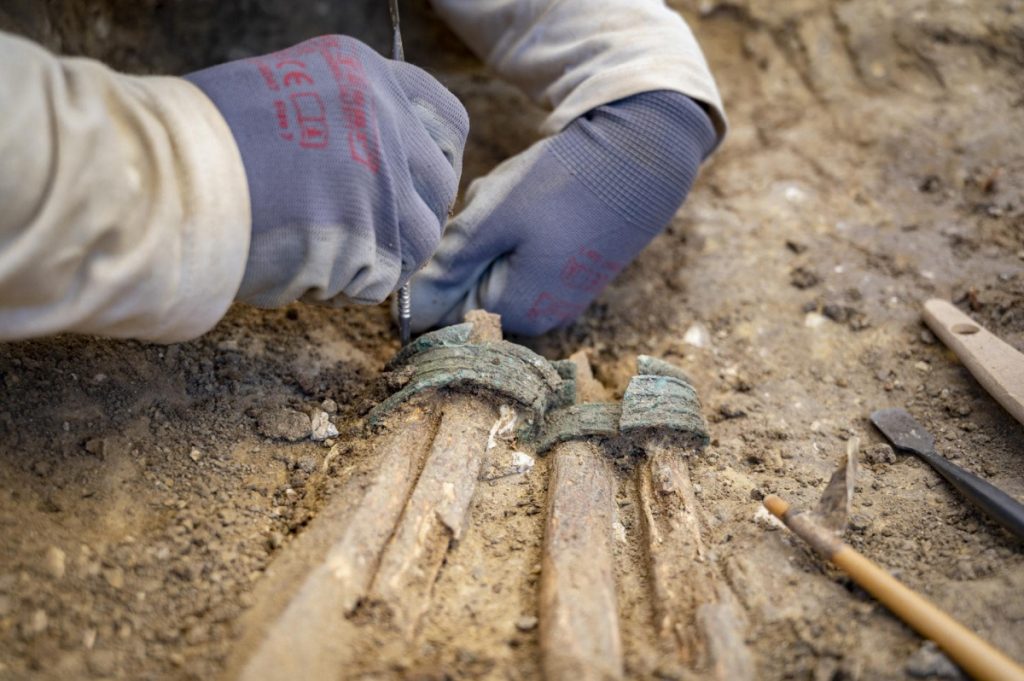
(874, 161)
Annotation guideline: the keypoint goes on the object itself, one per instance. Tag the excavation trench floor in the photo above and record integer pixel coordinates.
(148, 504)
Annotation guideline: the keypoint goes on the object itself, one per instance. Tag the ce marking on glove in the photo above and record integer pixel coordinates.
(306, 119)
(310, 114)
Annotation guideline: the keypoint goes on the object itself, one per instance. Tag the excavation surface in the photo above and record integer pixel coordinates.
(151, 498)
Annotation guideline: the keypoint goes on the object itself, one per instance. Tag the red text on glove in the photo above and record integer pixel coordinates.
(302, 115)
(588, 271)
(356, 106)
(549, 306)
(306, 117)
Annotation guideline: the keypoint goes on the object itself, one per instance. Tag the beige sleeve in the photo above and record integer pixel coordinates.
(573, 55)
(125, 203)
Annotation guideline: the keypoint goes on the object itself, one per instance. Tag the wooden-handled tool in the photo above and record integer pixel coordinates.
(972, 653)
(995, 364)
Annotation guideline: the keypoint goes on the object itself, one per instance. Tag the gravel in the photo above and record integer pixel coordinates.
(284, 424)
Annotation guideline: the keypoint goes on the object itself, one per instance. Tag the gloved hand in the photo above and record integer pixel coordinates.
(546, 230)
(353, 163)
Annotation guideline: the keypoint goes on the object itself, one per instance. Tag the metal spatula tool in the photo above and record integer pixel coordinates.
(405, 292)
(907, 435)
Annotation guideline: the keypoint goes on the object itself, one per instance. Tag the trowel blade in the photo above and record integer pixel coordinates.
(903, 431)
(833, 508)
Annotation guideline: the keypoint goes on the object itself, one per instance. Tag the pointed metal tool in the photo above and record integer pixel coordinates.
(908, 435)
(397, 53)
(404, 293)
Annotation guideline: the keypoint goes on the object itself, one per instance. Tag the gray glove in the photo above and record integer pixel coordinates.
(546, 230)
(353, 163)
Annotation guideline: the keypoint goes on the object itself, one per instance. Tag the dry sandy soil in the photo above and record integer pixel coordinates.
(874, 160)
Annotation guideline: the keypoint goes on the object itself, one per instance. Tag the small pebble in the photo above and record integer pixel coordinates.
(796, 246)
(731, 411)
(321, 427)
(813, 320)
(114, 577)
(330, 406)
(526, 623)
(195, 455)
(697, 336)
(284, 424)
(55, 563)
(859, 523)
(880, 453)
(930, 662)
(39, 621)
(803, 277)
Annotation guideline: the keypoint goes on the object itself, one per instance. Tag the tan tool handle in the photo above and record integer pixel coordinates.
(976, 656)
(996, 364)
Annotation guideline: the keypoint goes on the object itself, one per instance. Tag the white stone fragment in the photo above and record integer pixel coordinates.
(697, 336)
(321, 426)
(504, 428)
(813, 320)
(521, 462)
(764, 517)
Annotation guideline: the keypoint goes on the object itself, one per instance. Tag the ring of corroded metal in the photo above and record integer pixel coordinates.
(660, 399)
(444, 360)
(456, 334)
(578, 422)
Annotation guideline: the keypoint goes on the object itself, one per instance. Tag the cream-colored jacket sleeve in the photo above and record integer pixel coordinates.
(125, 208)
(573, 55)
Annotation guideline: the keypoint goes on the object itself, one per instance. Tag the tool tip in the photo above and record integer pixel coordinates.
(776, 505)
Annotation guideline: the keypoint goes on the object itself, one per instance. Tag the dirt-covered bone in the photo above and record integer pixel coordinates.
(696, 613)
(579, 621)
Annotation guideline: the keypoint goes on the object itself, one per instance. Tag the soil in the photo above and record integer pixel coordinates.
(151, 502)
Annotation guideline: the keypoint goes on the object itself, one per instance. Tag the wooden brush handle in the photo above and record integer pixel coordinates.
(973, 654)
(995, 364)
